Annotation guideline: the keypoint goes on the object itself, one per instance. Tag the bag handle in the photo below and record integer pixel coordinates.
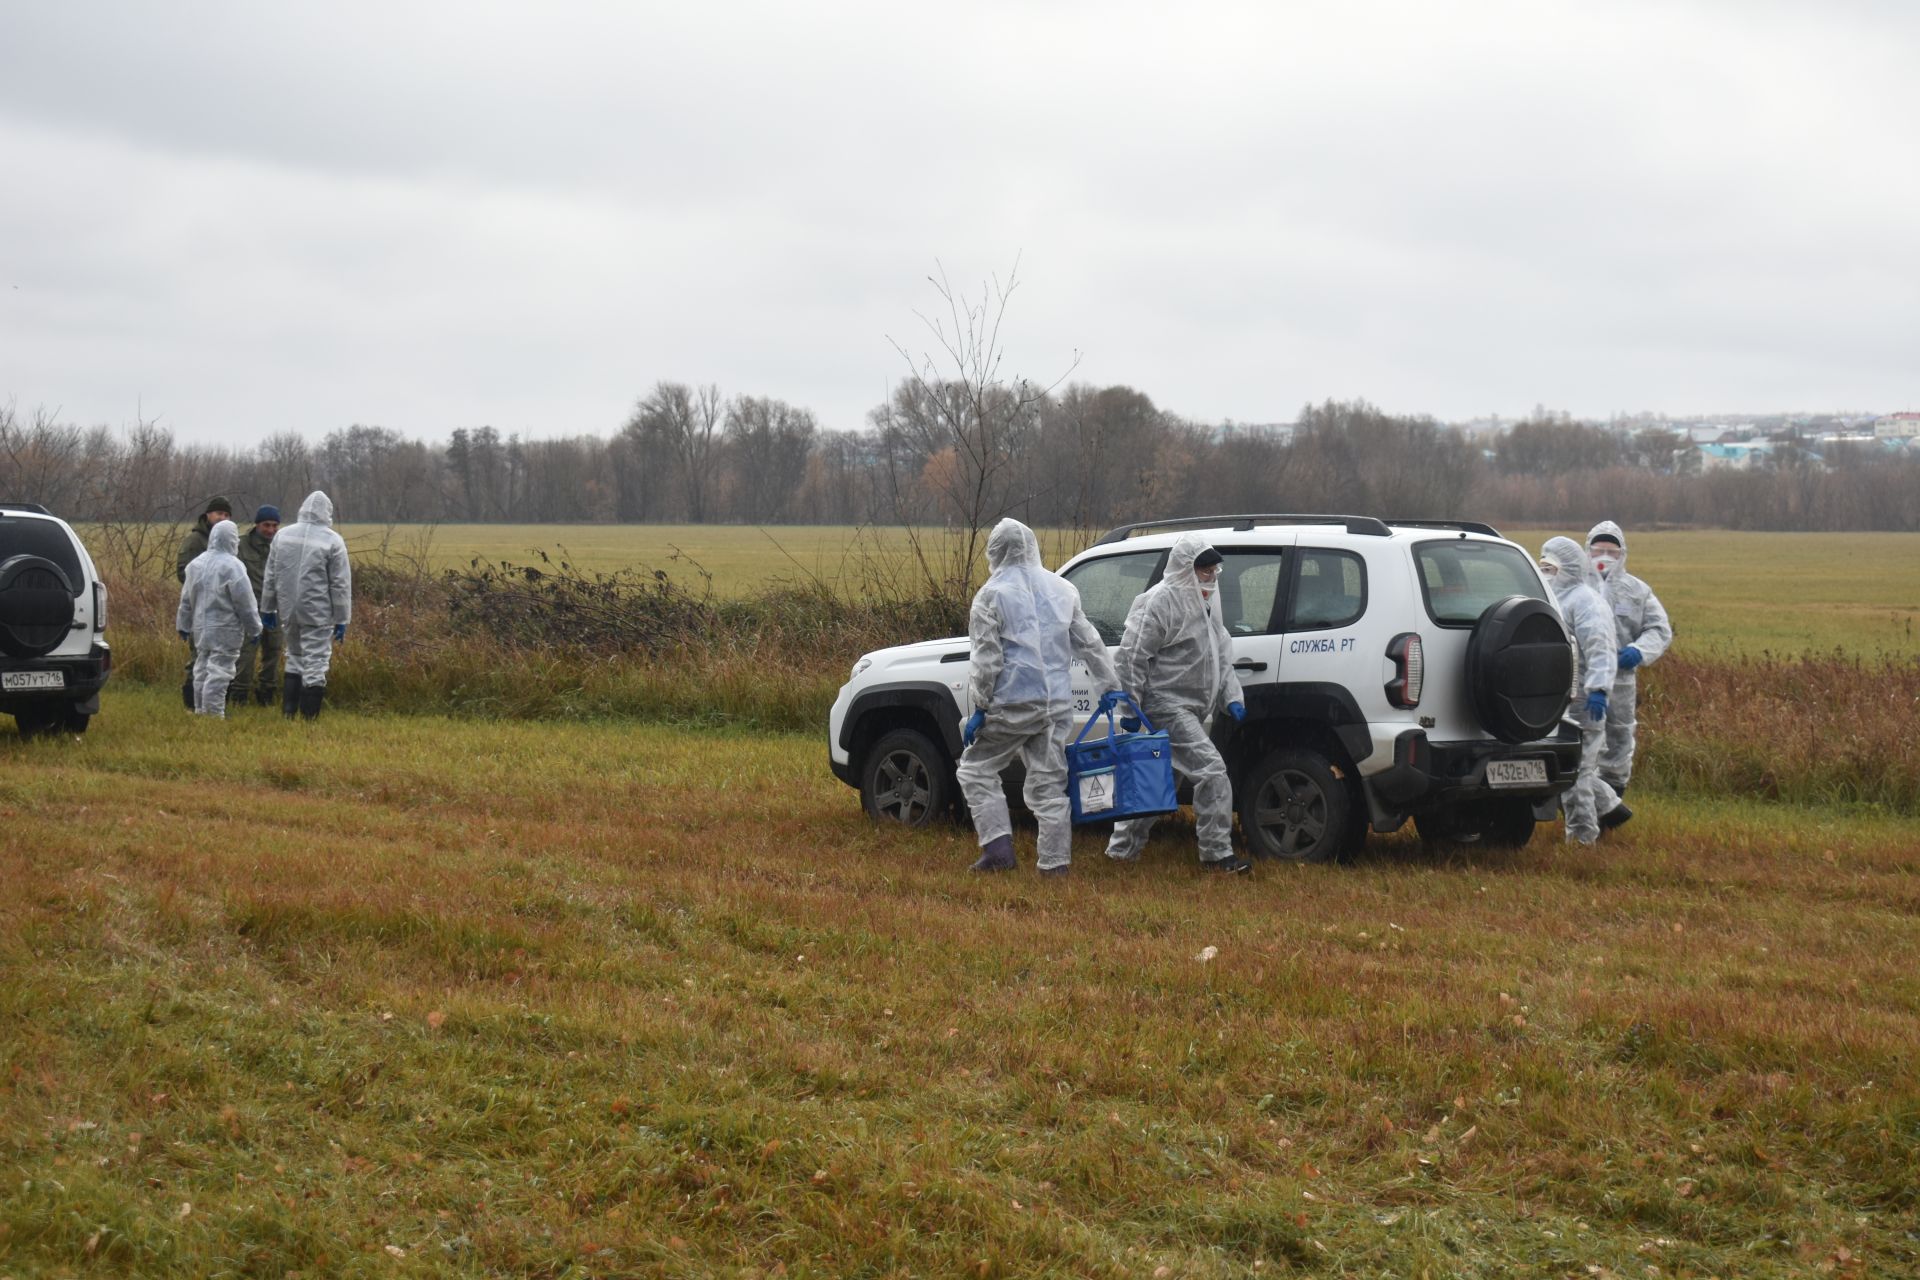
(1112, 732)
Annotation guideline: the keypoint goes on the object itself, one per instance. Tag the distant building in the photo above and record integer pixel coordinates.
(1897, 426)
(1736, 455)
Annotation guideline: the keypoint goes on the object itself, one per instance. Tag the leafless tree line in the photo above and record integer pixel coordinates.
(955, 446)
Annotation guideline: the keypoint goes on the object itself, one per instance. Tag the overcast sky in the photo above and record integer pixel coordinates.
(244, 218)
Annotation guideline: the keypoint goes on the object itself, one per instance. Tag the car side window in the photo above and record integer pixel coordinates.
(1329, 589)
(1249, 589)
(1108, 585)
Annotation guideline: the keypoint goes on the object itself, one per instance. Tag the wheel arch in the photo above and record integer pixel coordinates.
(922, 705)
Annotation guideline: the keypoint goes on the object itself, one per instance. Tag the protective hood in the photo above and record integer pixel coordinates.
(1011, 545)
(225, 538)
(1574, 566)
(1608, 529)
(317, 509)
(1179, 572)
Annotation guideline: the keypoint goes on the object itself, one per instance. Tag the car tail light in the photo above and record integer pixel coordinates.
(99, 606)
(1409, 669)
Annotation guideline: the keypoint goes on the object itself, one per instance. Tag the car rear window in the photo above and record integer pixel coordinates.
(25, 536)
(1460, 578)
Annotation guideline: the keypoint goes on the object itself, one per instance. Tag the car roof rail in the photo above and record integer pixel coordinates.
(1368, 526)
(31, 508)
(1463, 526)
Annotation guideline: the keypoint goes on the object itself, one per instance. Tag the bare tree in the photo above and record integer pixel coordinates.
(966, 426)
(768, 442)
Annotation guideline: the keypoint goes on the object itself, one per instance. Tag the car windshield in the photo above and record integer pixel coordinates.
(25, 536)
(1460, 578)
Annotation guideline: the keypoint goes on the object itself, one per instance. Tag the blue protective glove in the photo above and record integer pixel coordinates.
(1597, 705)
(1238, 710)
(186, 637)
(1629, 658)
(339, 632)
(1129, 724)
(972, 726)
(270, 621)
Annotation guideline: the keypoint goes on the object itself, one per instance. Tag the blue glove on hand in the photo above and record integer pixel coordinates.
(339, 632)
(1238, 710)
(1629, 658)
(270, 621)
(186, 637)
(972, 726)
(1597, 705)
(1129, 724)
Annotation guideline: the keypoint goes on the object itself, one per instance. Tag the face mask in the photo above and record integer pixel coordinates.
(1606, 560)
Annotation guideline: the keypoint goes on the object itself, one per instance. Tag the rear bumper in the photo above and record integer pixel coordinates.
(1432, 775)
(85, 676)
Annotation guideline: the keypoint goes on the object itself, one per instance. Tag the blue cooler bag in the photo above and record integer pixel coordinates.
(1122, 775)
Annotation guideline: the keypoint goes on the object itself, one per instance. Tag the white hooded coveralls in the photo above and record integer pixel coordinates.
(1026, 627)
(1596, 660)
(309, 583)
(1176, 658)
(217, 610)
(1640, 620)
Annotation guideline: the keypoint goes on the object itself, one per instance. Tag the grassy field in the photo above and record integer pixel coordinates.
(407, 996)
(1732, 592)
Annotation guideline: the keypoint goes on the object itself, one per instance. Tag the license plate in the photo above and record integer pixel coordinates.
(1516, 773)
(33, 680)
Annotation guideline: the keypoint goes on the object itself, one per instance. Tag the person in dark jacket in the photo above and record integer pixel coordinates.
(216, 510)
(261, 651)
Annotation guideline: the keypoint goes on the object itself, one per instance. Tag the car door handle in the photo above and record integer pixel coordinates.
(1248, 664)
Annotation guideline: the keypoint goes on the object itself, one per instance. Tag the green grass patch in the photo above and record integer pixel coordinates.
(419, 996)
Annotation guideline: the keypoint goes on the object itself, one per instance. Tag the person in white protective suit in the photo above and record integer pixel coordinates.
(1177, 660)
(1590, 804)
(217, 616)
(308, 593)
(1026, 627)
(1644, 633)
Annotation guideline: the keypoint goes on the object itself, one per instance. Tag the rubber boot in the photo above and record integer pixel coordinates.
(996, 855)
(311, 696)
(289, 695)
(186, 692)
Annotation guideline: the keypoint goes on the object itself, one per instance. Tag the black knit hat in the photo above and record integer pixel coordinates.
(217, 503)
(1206, 558)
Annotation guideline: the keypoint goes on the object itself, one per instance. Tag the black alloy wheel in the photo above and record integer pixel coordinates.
(1295, 808)
(905, 780)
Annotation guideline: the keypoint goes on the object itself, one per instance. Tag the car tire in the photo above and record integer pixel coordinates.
(905, 780)
(1491, 824)
(33, 720)
(1294, 809)
(77, 721)
(1519, 669)
(36, 606)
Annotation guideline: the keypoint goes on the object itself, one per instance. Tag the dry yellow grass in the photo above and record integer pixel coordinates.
(405, 996)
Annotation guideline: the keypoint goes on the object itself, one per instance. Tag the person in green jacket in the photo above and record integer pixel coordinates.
(216, 510)
(264, 647)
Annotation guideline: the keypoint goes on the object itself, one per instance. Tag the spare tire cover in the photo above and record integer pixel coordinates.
(36, 606)
(1519, 668)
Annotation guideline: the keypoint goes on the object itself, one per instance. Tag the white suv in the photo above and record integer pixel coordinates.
(1392, 669)
(54, 657)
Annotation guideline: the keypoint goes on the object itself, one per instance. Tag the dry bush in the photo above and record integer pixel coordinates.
(1817, 728)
